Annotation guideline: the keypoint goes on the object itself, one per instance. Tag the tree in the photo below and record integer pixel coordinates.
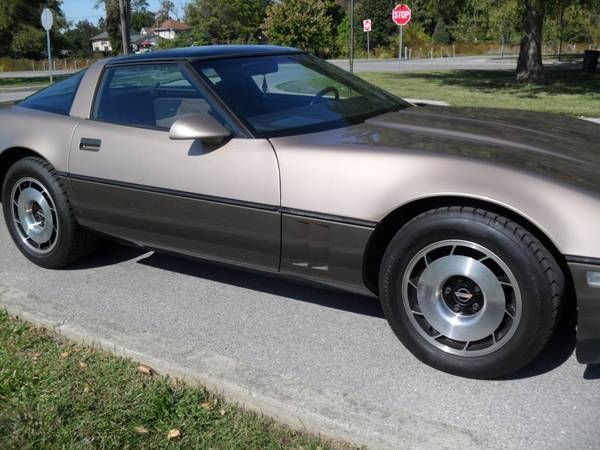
(299, 23)
(29, 41)
(227, 21)
(141, 16)
(489, 20)
(19, 19)
(380, 13)
(78, 37)
(113, 21)
(165, 11)
(529, 66)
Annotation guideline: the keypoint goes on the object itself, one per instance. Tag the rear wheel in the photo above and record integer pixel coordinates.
(470, 292)
(39, 216)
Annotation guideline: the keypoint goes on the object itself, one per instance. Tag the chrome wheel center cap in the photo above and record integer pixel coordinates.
(463, 295)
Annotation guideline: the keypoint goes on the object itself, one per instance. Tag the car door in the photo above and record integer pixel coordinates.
(128, 179)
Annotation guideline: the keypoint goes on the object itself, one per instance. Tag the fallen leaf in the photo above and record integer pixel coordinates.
(174, 434)
(146, 370)
(64, 354)
(206, 405)
(83, 364)
(222, 412)
(141, 430)
(86, 389)
(36, 356)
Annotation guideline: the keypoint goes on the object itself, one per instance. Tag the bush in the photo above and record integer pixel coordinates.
(300, 23)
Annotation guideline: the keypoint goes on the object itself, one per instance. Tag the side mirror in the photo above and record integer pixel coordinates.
(199, 126)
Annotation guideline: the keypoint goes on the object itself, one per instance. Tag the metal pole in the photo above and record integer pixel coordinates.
(124, 27)
(49, 55)
(351, 36)
(562, 29)
(368, 47)
(400, 44)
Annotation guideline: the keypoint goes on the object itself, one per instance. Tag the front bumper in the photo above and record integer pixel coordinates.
(588, 310)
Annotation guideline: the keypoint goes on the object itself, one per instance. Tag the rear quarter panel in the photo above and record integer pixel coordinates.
(46, 134)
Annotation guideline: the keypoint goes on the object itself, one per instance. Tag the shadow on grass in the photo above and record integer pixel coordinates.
(558, 82)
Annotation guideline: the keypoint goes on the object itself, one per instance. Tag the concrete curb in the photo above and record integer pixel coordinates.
(330, 414)
(419, 101)
(591, 119)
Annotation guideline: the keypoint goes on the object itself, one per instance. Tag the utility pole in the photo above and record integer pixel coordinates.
(562, 29)
(351, 36)
(124, 26)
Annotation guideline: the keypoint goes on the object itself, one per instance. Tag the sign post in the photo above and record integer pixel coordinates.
(351, 53)
(47, 20)
(401, 15)
(367, 29)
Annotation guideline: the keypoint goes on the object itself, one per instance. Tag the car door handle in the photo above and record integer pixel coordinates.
(92, 145)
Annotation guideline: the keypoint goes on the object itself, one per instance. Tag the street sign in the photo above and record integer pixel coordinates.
(47, 19)
(367, 29)
(401, 15)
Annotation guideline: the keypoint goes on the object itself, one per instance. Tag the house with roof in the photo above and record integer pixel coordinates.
(169, 29)
(144, 41)
(101, 42)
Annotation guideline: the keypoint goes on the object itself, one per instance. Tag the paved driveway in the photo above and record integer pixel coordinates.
(325, 359)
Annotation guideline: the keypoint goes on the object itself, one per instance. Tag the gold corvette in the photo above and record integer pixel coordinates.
(472, 226)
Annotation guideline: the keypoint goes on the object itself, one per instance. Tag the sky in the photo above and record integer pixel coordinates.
(76, 10)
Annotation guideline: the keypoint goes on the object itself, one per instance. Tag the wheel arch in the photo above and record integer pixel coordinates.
(11, 155)
(395, 220)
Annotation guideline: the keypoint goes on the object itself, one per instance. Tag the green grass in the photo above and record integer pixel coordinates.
(20, 82)
(57, 394)
(565, 91)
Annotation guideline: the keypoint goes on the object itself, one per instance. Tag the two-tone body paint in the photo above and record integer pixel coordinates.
(367, 171)
(307, 205)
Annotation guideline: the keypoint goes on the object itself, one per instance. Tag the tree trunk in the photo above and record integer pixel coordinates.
(530, 68)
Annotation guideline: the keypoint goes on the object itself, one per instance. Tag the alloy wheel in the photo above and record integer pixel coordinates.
(34, 215)
(462, 298)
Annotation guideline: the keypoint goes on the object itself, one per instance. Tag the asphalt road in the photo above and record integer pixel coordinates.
(362, 65)
(316, 349)
(14, 95)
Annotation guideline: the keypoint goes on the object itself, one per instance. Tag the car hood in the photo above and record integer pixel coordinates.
(559, 147)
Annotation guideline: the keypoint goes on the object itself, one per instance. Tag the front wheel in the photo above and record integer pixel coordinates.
(470, 292)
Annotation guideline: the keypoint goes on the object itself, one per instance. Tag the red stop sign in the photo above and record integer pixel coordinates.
(401, 14)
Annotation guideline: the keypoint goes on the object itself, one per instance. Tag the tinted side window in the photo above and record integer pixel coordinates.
(56, 98)
(149, 96)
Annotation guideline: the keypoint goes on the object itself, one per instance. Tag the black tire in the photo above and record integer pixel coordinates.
(539, 278)
(71, 242)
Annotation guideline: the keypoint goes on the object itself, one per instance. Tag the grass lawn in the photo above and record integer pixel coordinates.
(566, 91)
(57, 394)
(20, 82)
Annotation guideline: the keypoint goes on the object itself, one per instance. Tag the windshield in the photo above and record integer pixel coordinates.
(293, 94)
